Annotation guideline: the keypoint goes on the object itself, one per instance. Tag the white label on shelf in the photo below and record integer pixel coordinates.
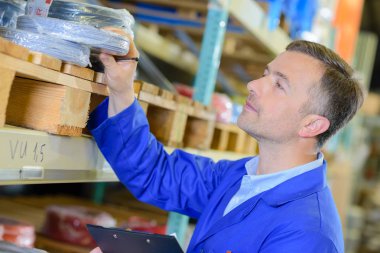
(38, 7)
(32, 172)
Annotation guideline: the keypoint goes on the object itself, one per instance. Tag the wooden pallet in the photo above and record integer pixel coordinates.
(175, 120)
(199, 126)
(167, 118)
(229, 137)
(40, 92)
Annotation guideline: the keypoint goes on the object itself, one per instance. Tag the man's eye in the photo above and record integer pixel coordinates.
(278, 85)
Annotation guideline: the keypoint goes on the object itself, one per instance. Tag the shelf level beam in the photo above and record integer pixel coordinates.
(255, 21)
(35, 157)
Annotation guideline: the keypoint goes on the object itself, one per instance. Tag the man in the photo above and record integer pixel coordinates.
(275, 202)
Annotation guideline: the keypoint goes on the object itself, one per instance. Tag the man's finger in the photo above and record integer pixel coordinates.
(96, 250)
(133, 52)
(107, 60)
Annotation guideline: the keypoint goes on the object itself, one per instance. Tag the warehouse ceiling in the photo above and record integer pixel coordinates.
(252, 65)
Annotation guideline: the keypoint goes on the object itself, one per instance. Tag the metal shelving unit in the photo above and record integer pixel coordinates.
(248, 41)
(166, 50)
(254, 19)
(34, 157)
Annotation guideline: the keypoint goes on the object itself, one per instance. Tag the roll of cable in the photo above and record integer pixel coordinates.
(62, 49)
(94, 15)
(68, 223)
(98, 40)
(18, 232)
(10, 10)
(6, 247)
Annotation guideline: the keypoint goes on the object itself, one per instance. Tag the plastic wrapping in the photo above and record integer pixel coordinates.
(10, 10)
(6, 247)
(96, 39)
(223, 107)
(17, 232)
(65, 50)
(68, 223)
(93, 15)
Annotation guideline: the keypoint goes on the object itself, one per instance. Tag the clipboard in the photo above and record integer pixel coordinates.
(116, 240)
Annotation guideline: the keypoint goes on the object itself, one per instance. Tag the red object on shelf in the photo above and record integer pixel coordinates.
(220, 102)
(68, 224)
(1, 232)
(140, 224)
(17, 232)
(347, 21)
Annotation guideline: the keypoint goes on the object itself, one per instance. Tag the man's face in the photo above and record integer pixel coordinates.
(273, 108)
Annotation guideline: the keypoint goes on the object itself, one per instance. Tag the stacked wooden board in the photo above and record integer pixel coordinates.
(42, 93)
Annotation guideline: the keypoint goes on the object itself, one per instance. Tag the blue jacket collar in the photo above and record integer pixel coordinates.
(297, 187)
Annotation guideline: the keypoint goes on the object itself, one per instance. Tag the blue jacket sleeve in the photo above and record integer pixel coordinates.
(179, 182)
(298, 241)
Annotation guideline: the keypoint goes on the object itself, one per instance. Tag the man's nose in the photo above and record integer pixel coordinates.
(253, 87)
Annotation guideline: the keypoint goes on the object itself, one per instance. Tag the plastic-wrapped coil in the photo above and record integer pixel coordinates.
(18, 232)
(6, 247)
(62, 49)
(96, 39)
(97, 16)
(68, 223)
(10, 10)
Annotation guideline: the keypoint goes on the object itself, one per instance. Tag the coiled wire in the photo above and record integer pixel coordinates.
(62, 49)
(98, 40)
(97, 16)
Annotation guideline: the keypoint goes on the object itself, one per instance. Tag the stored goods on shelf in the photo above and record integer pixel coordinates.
(62, 49)
(9, 11)
(98, 40)
(71, 30)
(220, 102)
(145, 225)
(12, 248)
(68, 223)
(17, 232)
(97, 16)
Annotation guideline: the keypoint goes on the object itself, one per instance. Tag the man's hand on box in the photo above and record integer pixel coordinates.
(119, 75)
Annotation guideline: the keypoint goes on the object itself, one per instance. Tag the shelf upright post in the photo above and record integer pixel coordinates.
(211, 50)
(209, 61)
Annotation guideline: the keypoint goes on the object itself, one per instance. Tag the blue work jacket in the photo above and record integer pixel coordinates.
(298, 215)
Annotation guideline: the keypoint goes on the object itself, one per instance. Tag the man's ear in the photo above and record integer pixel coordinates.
(313, 125)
